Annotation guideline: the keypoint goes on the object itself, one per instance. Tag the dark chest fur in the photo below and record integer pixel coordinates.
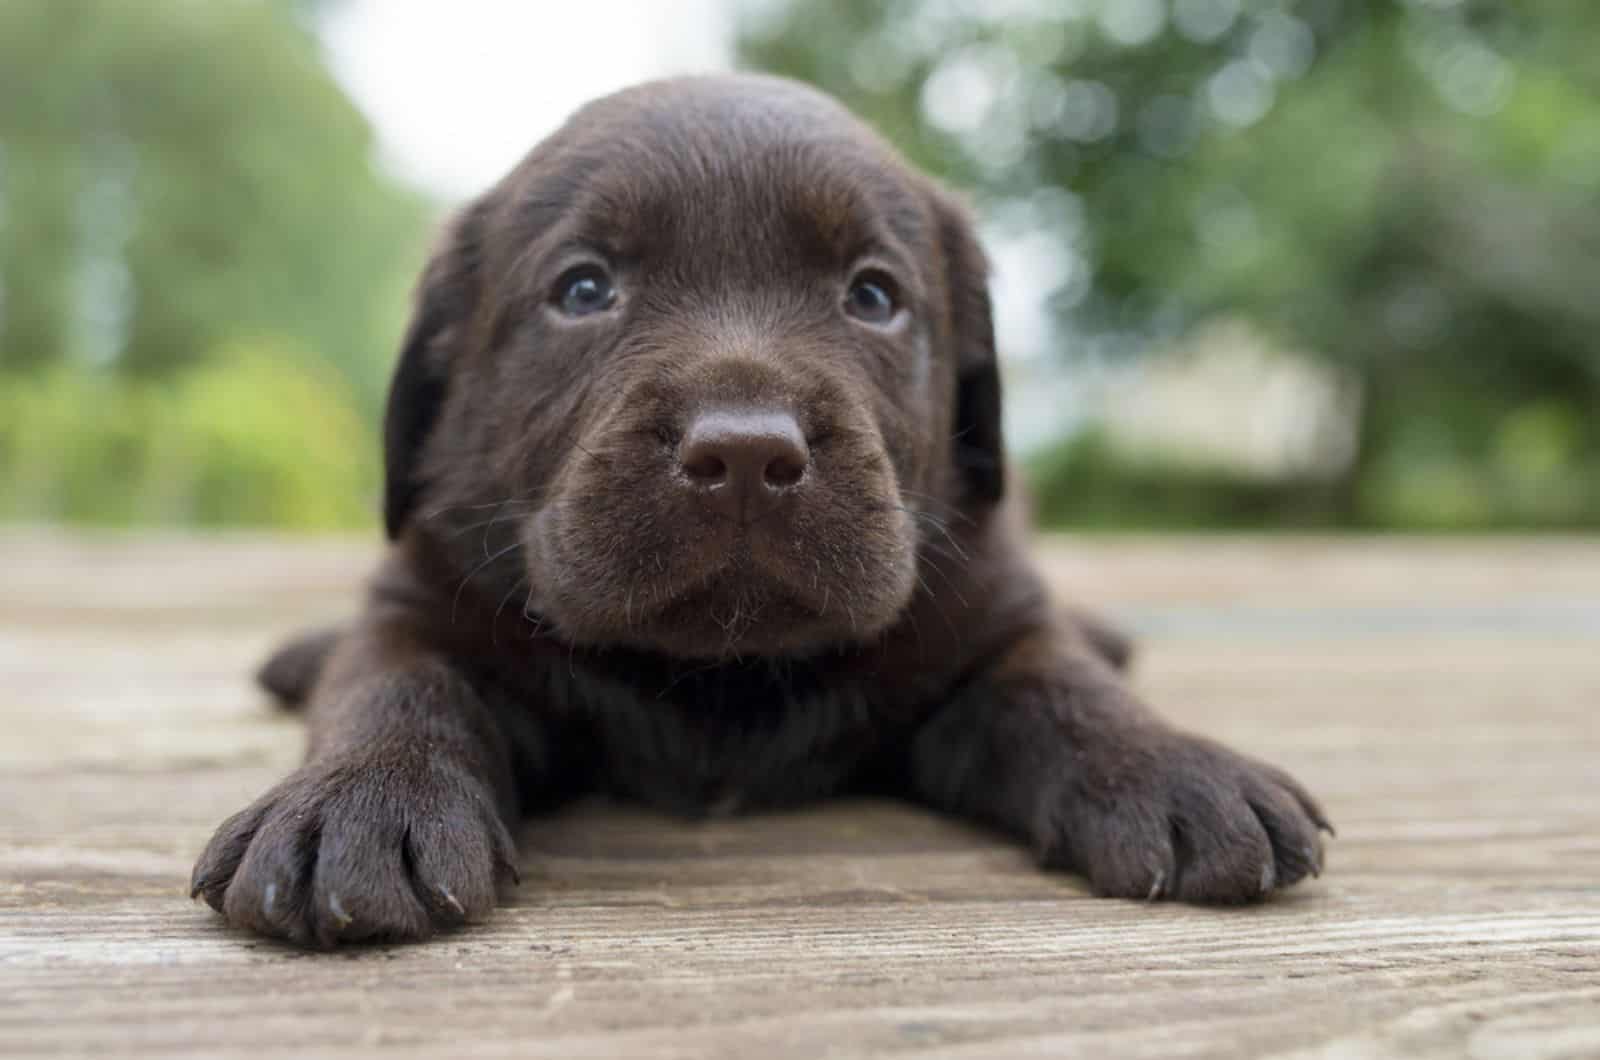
(695, 739)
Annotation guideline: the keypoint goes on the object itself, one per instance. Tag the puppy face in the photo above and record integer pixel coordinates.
(702, 376)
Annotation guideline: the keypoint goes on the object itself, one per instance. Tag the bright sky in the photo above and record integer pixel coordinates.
(460, 91)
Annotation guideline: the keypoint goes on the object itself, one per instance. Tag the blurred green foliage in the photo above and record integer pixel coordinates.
(1087, 482)
(202, 270)
(260, 435)
(1409, 189)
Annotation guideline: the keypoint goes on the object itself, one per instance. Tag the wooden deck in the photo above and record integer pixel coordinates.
(1442, 697)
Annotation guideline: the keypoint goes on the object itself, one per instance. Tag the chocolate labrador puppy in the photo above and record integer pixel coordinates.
(697, 496)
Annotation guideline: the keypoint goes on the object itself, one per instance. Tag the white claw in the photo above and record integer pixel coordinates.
(269, 898)
(1156, 885)
(336, 908)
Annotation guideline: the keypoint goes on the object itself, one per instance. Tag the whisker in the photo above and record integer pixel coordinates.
(685, 675)
(935, 522)
(531, 497)
(460, 530)
(945, 505)
(494, 625)
(948, 580)
(950, 539)
(490, 526)
(456, 600)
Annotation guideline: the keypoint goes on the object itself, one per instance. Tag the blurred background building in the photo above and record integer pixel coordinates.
(1257, 262)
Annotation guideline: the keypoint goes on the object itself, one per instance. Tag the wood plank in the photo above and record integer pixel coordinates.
(1440, 695)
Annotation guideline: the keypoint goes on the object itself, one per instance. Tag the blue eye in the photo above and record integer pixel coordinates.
(584, 290)
(871, 298)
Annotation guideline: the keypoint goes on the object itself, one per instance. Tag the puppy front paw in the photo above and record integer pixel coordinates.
(359, 848)
(1168, 815)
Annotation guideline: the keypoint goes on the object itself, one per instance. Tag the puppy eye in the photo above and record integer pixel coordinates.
(871, 298)
(583, 290)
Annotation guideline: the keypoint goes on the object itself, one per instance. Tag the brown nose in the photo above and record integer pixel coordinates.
(741, 463)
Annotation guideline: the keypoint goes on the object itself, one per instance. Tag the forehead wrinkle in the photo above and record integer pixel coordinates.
(599, 180)
(769, 219)
(851, 194)
(748, 193)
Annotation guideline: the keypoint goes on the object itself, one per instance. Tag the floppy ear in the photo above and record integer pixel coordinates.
(979, 445)
(443, 305)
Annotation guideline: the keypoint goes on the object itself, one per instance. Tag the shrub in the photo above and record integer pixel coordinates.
(259, 436)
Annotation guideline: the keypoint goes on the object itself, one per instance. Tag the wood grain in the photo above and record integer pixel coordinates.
(1440, 696)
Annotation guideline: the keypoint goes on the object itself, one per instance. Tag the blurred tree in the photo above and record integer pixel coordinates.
(1409, 188)
(175, 176)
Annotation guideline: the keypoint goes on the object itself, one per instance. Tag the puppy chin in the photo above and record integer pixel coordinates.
(806, 637)
(736, 614)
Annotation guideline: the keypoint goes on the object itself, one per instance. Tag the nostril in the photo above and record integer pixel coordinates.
(784, 470)
(707, 469)
(741, 463)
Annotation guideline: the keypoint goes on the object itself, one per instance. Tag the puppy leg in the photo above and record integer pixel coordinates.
(1049, 744)
(291, 672)
(395, 826)
(1109, 642)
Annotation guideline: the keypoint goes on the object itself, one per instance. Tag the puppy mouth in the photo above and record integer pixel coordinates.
(737, 606)
(734, 598)
(722, 620)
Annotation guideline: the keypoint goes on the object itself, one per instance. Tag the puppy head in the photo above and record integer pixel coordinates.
(699, 377)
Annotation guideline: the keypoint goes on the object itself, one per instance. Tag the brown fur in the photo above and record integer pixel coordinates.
(562, 613)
